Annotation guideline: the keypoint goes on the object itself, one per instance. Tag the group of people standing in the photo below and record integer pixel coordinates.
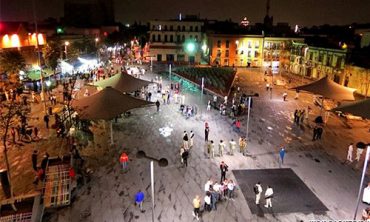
(215, 192)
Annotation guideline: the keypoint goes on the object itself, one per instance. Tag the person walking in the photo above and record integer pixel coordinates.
(268, 196)
(242, 145)
(359, 154)
(34, 159)
(232, 147)
(282, 154)
(157, 103)
(223, 168)
(185, 140)
(258, 190)
(350, 152)
(206, 133)
(185, 156)
(285, 95)
(182, 150)
(212, 150)
(139, 199)
(209, 105)
(46, 120)
(196, 206)
(191, 139)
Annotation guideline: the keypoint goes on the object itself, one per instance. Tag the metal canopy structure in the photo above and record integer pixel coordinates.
(122, 82)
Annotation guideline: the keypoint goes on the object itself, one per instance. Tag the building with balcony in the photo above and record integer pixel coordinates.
(176, 41)
(317, 62)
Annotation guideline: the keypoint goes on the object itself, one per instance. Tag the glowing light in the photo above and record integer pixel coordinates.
(204, 47)
(40, 38)
(48, 83)
(15, 41)
(344, 46)
(66, 43)
(190, 47)
(6, 41)
(66, 67)
(237, 42)
(21, 73)
(96, 39)
(36, 67)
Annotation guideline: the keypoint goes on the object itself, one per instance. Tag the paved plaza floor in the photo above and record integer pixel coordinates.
(109, 196)
(290, 193)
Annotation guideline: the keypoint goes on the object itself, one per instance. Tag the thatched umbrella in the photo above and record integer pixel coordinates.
(122, 82)
(359, 108)
(106, 105)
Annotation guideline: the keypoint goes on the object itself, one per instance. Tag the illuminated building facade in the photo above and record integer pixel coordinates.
(176, 41)
(250, 50)
(16, 37)
(235, 50)
(317, 62)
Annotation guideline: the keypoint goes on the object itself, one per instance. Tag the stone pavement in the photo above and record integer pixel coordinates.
(109, 195)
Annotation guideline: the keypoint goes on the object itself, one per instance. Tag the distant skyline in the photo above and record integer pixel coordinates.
(301, 12)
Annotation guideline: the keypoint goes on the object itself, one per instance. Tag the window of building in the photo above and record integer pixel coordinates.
(249, 53)
(153, 38)
(159, 27)
(171, 38)
(191, 36)
(196, 38)
(191, 28)
(218, 52)
(328, 60)
(196, 28)
(218, 43)
(256, 44)
(159, 38)
(339, 61)
(165, 28)
(256, 54)
(178, 38)
(311, 56)
(183, 38)
(183, 28)
(227, 53)
(227, 44)
(165, 38)
(178, 28)
(171, 28)
(321, 57)
(226, 62)
(153, 27)
(249, 44)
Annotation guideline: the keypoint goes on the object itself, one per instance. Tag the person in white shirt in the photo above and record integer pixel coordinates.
(221, 148)
(191, 139)
(258, 191)
(207, 201)
(359, 153)
(230, 189)
(207, 185)
(350, 152)
(366, 194)
(268, 196)
(232, 146)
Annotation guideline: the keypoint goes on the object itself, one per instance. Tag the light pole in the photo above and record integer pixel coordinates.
(169, 73)
(97, 49)
(66, 44)
(249, 111)
(362, 179)
(151, 64)
(304, 62)
(42, 95)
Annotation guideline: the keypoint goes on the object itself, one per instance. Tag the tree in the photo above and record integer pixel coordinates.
(9, 111)
(51, 53)
(11, 62)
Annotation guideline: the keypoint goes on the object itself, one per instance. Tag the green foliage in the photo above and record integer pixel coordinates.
(51, 53)
(11, 62)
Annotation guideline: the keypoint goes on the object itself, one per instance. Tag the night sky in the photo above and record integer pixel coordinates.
(302, 12)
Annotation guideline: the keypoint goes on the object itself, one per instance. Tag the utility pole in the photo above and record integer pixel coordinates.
(42, 95)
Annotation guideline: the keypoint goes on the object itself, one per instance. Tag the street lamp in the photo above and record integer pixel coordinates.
(66, 44)
(249, 110)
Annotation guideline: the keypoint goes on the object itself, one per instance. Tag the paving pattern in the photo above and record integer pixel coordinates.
(290, 193)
